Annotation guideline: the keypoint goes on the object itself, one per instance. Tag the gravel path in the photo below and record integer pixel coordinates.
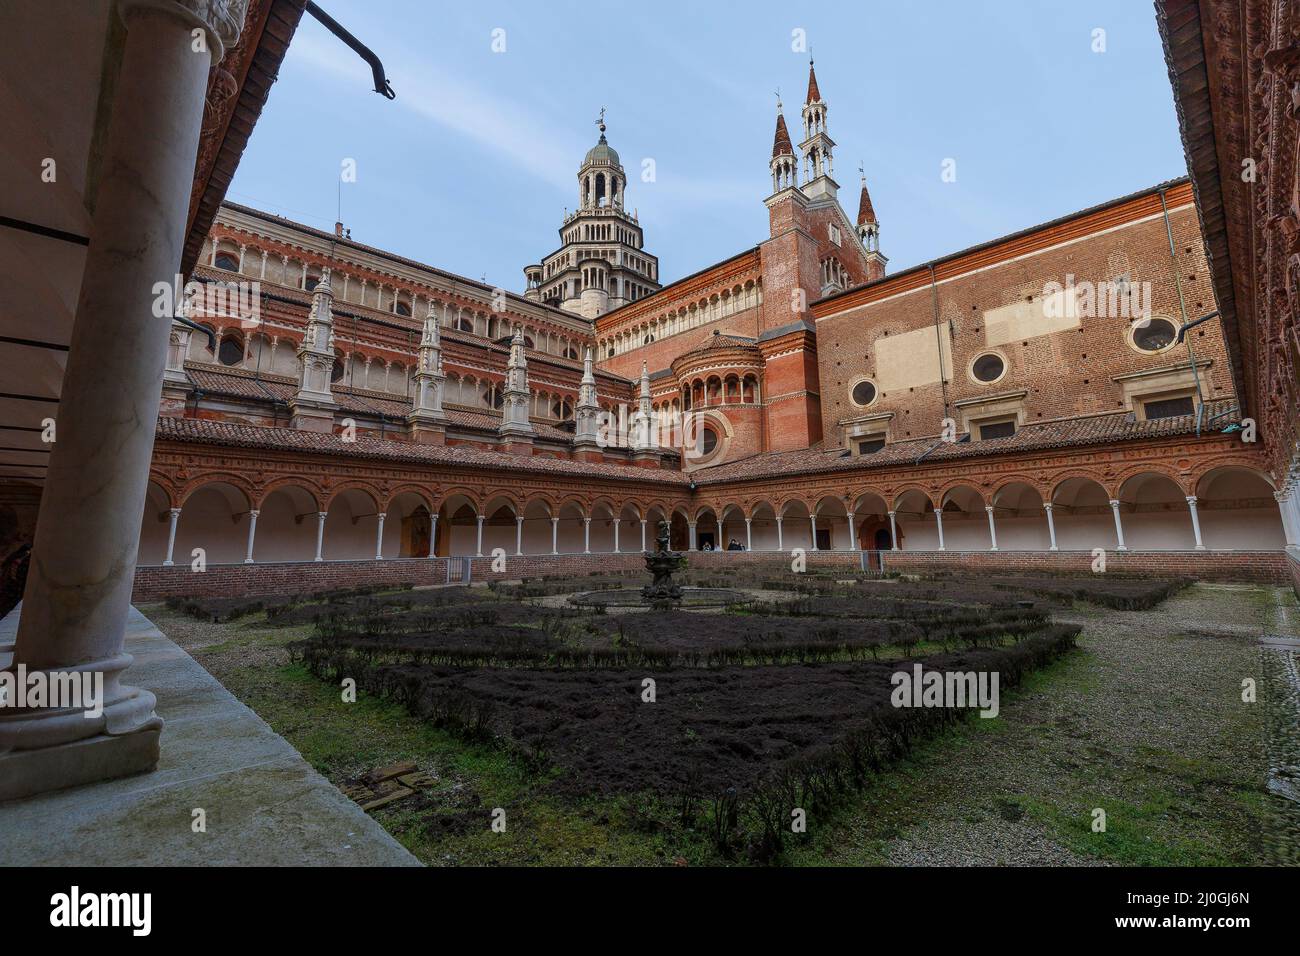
(1145, 722)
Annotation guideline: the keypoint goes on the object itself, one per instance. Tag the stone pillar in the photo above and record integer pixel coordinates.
(478, 547)
(616, 550)
(379, 537)
(1051, 525)
(88, 531)
(555, 536)
(586, 536)
(893, 531)
(749, 535)
(320, 534)
(938, 521)
(1119, 527)
(519, 535)
(691, 526)
(780, 538)
(812, 523)
(643, 534)
(171, 536)
(1287, 507)
(1196, 522)
(252, 533)
(993, 531)
(433, 535)
(853, 532)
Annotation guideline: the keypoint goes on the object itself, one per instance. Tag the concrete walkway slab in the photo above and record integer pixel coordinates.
(264, 804)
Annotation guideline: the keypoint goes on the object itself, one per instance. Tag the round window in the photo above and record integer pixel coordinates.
(864, 393)
(709, 441)
(1153, 335)
(988, 368)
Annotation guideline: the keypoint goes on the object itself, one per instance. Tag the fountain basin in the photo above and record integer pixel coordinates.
(630, 597)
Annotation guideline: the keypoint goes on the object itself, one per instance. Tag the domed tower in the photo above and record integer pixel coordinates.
(601, 263)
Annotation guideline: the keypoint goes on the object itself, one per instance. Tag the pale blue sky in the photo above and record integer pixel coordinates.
(472, 166)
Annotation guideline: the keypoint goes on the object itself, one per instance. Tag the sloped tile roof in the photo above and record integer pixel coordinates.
(1094, 430)
(228, 434)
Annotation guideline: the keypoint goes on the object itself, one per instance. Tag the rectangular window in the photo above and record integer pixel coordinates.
(1169, 407)
(997, 430)
(870, 446)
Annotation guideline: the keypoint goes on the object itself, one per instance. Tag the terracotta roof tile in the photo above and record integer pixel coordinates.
(202, 431)
(866, 213)
(1095, 430)
(781, 144)
(814, 94)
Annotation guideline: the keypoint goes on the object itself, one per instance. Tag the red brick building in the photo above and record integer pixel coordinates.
(1037, 397)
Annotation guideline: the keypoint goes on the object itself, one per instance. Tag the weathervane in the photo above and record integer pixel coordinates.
(778, 99)
(601, 122)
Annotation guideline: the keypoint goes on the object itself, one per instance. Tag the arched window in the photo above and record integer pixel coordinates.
(465, 324)
(231, 352)
(402, 309)
(336, 373)
(227, 261)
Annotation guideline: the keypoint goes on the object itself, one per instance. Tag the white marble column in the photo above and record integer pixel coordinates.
(433, 535)
(87, 535)
(555, 536)
(519, 535)
(812, 523)
(1119, 526)
(938, 521)
(893, 531)
(1196, 522)
(175, 514)
(586, 536)
(780, 538)
(478, 546)
(252, 533)
(691, 526)
(379, 537)
(616, 549)
(1051, 525)
(993, 531)
(749, 534)
(320, 534)
(854, 544)
(1288, 506)
(643, 523)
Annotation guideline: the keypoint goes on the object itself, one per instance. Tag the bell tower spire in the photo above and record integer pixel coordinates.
(784, 166)
(817, 146)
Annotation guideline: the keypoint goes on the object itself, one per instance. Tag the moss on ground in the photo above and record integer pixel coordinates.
(1144, 722)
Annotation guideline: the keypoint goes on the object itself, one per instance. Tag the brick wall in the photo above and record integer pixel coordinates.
(1258, 567)
(157, 583)
(1064, 373)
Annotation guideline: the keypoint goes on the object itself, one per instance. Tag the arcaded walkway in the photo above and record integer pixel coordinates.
(264, 805)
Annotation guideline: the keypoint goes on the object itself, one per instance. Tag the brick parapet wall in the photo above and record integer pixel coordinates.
(158, 583)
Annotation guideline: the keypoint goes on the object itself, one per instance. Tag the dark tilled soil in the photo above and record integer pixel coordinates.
(705, 731)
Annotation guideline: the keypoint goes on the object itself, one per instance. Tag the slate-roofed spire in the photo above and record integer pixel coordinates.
(784, 166)
(814, 94)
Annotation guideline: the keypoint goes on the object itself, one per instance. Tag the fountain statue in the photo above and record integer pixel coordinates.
(662, 592)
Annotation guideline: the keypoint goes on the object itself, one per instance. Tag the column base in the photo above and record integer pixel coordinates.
(25, 773)
(311, 417)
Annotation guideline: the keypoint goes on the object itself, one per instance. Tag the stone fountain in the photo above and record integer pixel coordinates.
(663, 593)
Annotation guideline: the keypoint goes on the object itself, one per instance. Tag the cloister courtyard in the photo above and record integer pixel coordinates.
(1138, 712)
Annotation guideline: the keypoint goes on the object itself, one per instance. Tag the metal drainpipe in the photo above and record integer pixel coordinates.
(938, 338)
(1182, 307)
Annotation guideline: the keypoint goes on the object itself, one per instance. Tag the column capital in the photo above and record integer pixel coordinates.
(174, 511)
(988, 508)
(1114, 502)
(1047, 506)
(221, 20)
(321, 514)
(1191, 499)
(381, 515)
(253, 512)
